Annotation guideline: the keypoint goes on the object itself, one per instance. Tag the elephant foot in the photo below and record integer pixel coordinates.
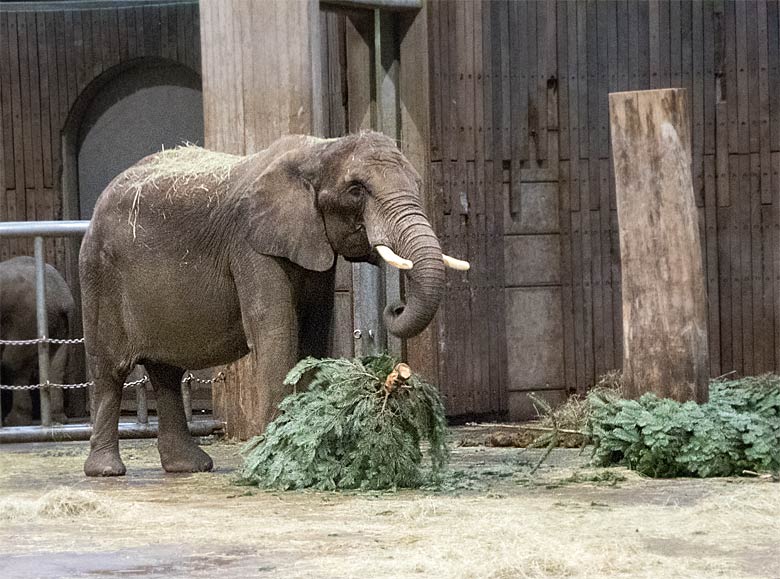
(104, 463)
(181, 456)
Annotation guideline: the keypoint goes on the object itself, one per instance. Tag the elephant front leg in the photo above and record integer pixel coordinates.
(178, 450)
(104, 459)
(270, 321)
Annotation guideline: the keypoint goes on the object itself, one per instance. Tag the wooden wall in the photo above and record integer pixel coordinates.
(50, 53)
(521, 157)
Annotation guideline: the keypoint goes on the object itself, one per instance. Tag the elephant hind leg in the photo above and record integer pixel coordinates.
(178, 450)
(104, 459)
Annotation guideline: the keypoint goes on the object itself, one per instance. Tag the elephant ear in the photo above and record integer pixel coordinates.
(280, 207)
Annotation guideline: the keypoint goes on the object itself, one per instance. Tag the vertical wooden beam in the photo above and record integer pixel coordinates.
(414, 101)
(256, 89)
(664, 300)
(362, 114)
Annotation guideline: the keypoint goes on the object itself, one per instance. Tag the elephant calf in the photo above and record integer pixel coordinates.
(195, 258)
(18, 321)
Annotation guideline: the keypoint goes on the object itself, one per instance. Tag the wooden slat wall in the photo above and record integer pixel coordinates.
(334, 56)
(520, 158)
(49, 54)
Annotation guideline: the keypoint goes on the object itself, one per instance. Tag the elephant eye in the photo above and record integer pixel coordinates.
(356, 190)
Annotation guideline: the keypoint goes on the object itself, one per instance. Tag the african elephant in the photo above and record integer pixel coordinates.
(195, 258)
(18, 321)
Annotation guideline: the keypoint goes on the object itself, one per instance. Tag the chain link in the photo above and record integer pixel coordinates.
(220, 377)
(41, 341)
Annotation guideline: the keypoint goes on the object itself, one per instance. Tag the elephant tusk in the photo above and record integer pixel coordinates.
(458, 264)
(392, 258)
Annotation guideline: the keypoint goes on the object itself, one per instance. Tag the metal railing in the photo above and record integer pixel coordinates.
(38, 230)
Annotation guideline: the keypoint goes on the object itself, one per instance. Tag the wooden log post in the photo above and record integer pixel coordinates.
(664, 299)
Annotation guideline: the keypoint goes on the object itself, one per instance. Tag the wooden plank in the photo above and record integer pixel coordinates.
(152, 31)
(587, 265)
(140, 32)
(704, 50)
(7, 116)
(606, 36)
(726, 285)
(735, 258)
(573, 109)
(680, 31)
(584, 64)
(449, 82)
(758, 331)
(654, 15)
(763, 112)
(518, 63)
(45, 135)
(467, 110)
(196, 32)
(175, 25)
(63, 44)
(15, 199)
(112, 31)
(599, 364)
(643, 44)
(593, 104)
(592, 100)
(532, 71)
(434, 49)
(96, 41)
(711, 259)
(6, 139)
(664, 34)
(768, 320)
(776, 253)
(499, 23)
(487, 61)
(548, 89)
(567, 293)
(605, 234)
(773, 59)
(743, 80)
(26, 112)
(746, 273)
(563, 76)
(617, 309)
(49, 106)
(579, 296)
(754, 94)
(504, 14)
(191, 38)
(477, 72)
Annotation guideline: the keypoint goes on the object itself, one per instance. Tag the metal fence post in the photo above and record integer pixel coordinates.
(142, 413)
(43, 332)
(186, 396)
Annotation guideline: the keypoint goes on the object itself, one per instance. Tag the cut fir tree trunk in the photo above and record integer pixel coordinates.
(664, 299)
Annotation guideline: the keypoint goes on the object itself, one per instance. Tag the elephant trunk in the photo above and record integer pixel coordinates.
(424, 283)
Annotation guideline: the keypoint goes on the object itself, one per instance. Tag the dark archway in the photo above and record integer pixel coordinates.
(128, 112)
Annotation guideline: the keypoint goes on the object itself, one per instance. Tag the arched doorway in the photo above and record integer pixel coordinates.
(145, 108)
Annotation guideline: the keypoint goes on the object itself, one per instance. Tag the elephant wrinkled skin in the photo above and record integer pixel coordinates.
(18, 321)
(195, 258)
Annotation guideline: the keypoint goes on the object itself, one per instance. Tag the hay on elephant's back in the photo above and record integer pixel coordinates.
(186, 170)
